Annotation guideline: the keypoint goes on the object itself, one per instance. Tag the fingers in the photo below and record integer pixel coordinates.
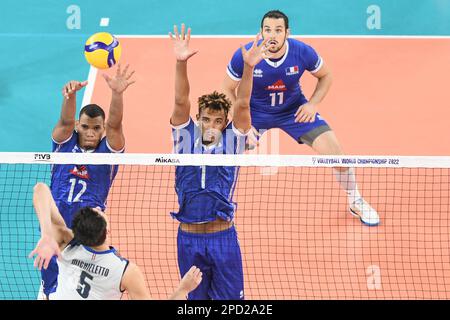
(106, 77)
(255, 42)
(32, 253)
(188, 34)
(131, 82)
(130, 75)
(84, 83)
(126, 69)
(118, 71)
(175, 30)
(303, 117)
(183, 28)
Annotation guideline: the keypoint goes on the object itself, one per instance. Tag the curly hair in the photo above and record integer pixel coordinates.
(215, 101)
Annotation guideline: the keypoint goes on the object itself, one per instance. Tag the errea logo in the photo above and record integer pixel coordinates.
(257, 73)
(42, 157)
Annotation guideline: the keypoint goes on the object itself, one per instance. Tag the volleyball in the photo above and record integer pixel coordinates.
(102, 50)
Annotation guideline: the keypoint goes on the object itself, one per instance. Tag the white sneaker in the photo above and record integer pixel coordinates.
(360, 208)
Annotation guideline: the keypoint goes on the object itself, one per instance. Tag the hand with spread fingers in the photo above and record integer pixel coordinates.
(121, 80)
(181, 43)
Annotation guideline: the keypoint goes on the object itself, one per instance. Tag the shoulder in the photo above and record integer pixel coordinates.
(297, 45)
(62, 145)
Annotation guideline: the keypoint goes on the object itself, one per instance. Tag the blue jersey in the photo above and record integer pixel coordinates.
(77, 186)
(276, 86)
(205, 192)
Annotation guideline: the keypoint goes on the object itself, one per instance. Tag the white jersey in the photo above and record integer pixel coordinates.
(86, 274)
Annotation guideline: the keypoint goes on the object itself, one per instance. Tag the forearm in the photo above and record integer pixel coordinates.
(322, 88)
(115, 116)
(181, 83)
(244, 89)
(68, 111)
(43, 208)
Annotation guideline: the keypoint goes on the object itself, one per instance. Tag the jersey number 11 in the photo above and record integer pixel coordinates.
(274, 98)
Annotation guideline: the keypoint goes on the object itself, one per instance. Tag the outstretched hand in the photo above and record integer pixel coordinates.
(121, 80)
(45, 249)
(181, 43)
(71, 87)
(191, 279)
(256, 52)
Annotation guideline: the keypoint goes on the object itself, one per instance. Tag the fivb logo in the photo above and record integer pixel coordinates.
(166, 160)
(42, 157)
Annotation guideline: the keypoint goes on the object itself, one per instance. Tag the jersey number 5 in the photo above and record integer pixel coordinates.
(84, 287)
(72, 188)
(274, 98)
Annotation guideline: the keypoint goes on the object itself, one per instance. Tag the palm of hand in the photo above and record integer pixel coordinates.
(182, 51)
(118, 84)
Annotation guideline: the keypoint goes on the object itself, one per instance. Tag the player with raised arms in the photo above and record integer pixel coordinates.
(76, 186)
(89, 269)
(207, 236)
(278, 102)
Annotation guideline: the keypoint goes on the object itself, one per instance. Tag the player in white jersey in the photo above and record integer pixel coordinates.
(90, 269)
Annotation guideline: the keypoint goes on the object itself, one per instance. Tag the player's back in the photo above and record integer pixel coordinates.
(86, 274)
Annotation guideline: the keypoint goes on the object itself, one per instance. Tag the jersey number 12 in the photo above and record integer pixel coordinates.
(72, 188)
(274, 98)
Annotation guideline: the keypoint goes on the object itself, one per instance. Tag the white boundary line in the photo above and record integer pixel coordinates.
(319, 36)
(89, 90)
(259, 160)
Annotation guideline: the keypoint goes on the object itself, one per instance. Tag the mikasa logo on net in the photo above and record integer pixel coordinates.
(42, 157)
(166, 160)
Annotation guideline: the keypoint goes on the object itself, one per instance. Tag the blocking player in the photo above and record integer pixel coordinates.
(76, 186)
(278, 102)
(207, 236)
(89, 269)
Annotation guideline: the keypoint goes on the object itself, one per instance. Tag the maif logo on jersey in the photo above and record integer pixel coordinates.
(292, 70)
(277, 86)
(80, 171)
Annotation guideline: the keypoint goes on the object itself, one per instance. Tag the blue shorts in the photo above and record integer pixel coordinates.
(300, 132)
(50, 277)
(218, 256)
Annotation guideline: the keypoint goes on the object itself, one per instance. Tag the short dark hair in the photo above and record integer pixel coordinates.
(276, 14)
(92, 111)
(89, 227)
(215, 101)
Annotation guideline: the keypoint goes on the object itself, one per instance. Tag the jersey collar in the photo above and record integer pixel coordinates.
(276, 64)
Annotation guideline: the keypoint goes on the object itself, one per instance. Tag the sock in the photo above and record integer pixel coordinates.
(347, 181)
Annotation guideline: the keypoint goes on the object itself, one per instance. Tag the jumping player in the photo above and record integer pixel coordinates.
(207, 236)
(76, 186)
(278, 102)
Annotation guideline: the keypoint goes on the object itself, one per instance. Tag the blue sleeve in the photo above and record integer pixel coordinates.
(311, 59)
(235, 141)
(65, 146)
(183, 137)
(104, 147)
(236, 66)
